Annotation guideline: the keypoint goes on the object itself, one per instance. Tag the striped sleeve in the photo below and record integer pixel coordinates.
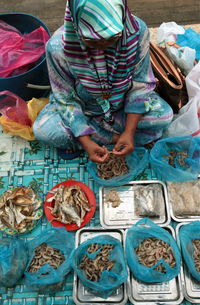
(139, 97)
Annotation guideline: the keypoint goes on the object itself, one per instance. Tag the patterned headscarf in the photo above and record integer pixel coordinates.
(101, 71)
(98, 19)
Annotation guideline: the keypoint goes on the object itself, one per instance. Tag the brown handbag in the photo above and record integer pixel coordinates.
(170, 81)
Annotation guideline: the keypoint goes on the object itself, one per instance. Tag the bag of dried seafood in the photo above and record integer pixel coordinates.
(117, 170)
(13, 260)
(152, 253)
(50, 256)
(100, 265)
(176, 159)
(190, 244)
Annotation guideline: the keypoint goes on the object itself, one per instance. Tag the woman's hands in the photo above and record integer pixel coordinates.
(95, 152)
(124, 145)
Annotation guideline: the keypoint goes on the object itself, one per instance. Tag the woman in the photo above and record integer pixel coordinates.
(102, 83)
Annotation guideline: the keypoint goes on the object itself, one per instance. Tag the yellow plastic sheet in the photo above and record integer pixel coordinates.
(25, 132)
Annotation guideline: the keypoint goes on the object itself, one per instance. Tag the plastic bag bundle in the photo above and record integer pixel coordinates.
(142, 230)
(47, 277)
(136, 161)
(13, 260)
(109, 281)
(187, 234)
(18, 116)
(176, 159)
(191, 39)
(19, 51)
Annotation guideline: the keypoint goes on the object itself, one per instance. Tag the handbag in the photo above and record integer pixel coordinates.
(170, 81)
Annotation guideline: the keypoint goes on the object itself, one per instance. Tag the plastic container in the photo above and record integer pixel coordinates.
(37, 75)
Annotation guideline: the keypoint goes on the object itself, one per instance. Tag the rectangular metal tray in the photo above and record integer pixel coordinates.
(191, 287)
(124, 216)
(141, 293)
(81, 295)
(180, 218)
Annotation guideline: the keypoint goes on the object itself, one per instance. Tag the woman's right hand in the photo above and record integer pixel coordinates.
(95, 152)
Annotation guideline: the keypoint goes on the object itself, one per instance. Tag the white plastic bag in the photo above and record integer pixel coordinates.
(187, 122)
(167, 31)
(184, 57)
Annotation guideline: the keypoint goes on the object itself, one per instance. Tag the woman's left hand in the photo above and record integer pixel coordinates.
(124, 145)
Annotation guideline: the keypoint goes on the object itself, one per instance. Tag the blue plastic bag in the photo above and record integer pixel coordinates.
(47, 277)
(137, 161)
(13, 260)
(186, 234)
(187, 170)
(190, 39)
(109, 280)
(143, 229)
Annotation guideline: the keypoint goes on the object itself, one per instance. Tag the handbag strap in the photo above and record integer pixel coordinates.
(164, 67)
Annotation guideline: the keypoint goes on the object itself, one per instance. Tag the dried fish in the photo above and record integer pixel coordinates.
(113, 197)
(148, 200)
(45, 254)
(70, 204)
(151, 250)
(93, 268)
(114, 166)
(184, 197)
(177, 156)
(19, 208)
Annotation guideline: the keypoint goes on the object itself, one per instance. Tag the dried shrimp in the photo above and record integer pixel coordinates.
(114, 166)
(178, 157)
(70, 204)
(93, 268)
(45, 254)
(151, 250)
(196, 255)
(19, 209)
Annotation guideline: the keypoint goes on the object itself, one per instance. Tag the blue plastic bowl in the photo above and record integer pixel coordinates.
(38, 75)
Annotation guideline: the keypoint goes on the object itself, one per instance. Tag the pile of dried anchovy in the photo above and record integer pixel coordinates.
(177, 156)
(46, 255)
(114, 166)
(196, 255)
(18, 208)
(93, 268)
(151, 250)
(113, 197)
(70, 204)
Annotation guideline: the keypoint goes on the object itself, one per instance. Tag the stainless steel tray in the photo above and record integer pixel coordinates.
(124, 216)
(179, 218)
(191, 287)
(141, 293)
(81, 295)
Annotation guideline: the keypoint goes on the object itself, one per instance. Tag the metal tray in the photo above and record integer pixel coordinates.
(124, 216)
(191, 287)
(141, 293)
(81, 295)
(180, 218)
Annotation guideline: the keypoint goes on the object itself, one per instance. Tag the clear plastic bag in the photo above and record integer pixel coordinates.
(176, 159)
(144, 229)
(13, 260)
(136, 162)
(19, 51)
(47, 277)
(109, 280)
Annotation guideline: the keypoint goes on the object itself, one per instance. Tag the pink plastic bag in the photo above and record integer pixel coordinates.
(14, 108)
(19, 51)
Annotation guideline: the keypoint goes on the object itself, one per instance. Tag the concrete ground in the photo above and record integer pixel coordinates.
(153, 12)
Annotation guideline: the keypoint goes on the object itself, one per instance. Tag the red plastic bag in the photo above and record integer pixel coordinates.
(14, 108)
(19, 51)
